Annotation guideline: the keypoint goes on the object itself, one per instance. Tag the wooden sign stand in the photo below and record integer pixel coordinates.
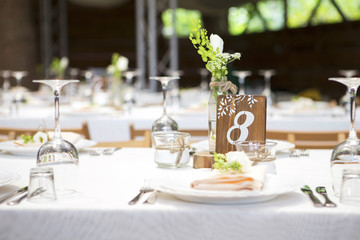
(239, 118)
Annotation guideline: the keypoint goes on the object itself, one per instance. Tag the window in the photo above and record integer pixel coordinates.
(183, 25)
(269, 14)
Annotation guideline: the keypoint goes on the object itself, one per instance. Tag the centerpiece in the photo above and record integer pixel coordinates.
(211, 52)
(118, 65)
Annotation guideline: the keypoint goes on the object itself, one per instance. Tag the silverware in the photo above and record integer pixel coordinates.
(145, 189)
(110, 151)
(13, 194)
(322, 191)
(38, 191)
(307, 190)
(152, 198)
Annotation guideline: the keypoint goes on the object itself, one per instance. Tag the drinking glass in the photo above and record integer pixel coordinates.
(171, 149)
(350, 187)
(58, 153)
(267, 91)
(241, 75)
(41, 185)
(164, 123)
(346, 155)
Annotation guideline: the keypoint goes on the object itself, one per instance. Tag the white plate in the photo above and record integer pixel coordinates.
(12, 148)
(179, 186)
(281, 145)
(7, 177)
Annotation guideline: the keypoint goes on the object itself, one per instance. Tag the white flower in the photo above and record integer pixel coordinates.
(110, 69)
(64, 62)
(40, 137)
(122, 63)
(240, 157)
(216, 42)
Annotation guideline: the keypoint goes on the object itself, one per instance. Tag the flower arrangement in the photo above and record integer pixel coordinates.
(232, 162)
(211, 52)
(58, 66)
(118, 65)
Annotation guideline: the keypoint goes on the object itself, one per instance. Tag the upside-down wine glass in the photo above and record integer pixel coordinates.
(346, 155)
(18, 75)
(164, 123)
(241, 75)
(267, 91)
(345, 99)
(130, 89)
(58, 153)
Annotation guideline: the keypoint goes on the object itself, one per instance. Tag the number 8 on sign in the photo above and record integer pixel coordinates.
(243, 127)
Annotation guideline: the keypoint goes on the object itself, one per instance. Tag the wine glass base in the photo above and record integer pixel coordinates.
(165, 123)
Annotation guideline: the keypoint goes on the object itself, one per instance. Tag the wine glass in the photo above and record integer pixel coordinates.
(345, 100)
(267, 91)
(241, 75)
(130, 89)
(346, 155)
(5, 101)
(18, 75)
(58, 153)
(164, 123)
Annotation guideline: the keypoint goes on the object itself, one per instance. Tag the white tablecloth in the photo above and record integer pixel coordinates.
(107, 183)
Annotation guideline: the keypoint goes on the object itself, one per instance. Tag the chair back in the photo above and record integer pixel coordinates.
(309, 140)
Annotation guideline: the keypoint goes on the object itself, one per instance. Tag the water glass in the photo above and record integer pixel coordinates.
(259, 152)
(171, 149)
(350, 187)
(41, 185)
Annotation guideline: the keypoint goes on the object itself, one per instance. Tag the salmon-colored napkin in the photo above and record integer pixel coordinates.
(253, 179)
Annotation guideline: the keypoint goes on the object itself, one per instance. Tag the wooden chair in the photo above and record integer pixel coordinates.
(196, 132)
(145, 142)
(309, 140)
(13, 133)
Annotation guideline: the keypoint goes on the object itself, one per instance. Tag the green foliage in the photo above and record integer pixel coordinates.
(215, 61)
(245, 18)
(221, 164)
(27, 138)
(183, 25)
(57, 67)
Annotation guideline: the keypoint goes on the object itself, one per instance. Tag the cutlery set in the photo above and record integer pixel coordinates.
(299, 153)
(145, 189)
(320, 190)
(17, 196)
(103, 151)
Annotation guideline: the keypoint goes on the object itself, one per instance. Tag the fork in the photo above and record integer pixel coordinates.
(322, 191)
(144, 189)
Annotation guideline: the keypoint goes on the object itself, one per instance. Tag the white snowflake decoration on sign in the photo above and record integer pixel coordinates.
(227, 105)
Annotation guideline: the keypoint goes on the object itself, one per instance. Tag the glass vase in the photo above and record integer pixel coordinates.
(212, 118)
(116, 97)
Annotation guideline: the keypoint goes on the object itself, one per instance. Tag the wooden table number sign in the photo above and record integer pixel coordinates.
(239, 118)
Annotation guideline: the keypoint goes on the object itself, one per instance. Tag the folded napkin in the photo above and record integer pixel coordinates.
(254, 179)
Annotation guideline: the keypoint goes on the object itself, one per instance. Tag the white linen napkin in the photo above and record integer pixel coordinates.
(254, 179)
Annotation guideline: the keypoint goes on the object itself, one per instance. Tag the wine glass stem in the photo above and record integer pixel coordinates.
(57, 133)
(352, 133)
(164, 88)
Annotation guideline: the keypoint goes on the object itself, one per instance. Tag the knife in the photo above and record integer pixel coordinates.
(13, 194)
(307, 190)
